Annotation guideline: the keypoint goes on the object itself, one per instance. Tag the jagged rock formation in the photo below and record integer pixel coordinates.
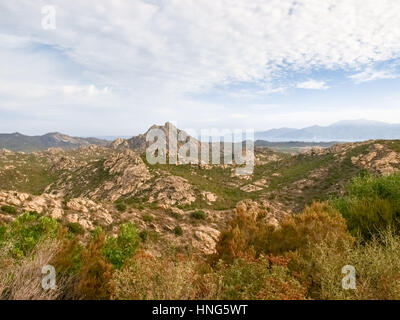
(87, 213)
(379, 159)
(51, 204)
(104, 174)
(172, 190)
(168, 132)
(78, 210)
(129, 176)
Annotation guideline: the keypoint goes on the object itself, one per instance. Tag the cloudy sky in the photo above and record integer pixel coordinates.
(116, 67)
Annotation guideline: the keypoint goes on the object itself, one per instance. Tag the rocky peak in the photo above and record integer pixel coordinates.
(140, 144)
(119, 143)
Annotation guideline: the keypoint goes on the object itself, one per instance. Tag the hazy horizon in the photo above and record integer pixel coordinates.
(110, 137)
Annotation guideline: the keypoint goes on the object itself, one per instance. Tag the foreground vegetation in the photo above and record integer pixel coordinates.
(302, 259)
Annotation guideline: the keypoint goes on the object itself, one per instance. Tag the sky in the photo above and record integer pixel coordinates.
(116, 67)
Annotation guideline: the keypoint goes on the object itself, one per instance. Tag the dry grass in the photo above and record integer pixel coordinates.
(377, 265)
(164, 278)
(22, 280)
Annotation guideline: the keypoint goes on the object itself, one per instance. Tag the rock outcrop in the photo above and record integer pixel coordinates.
(45, 203)
(379, 159)
(172, 191)
(129, 173)
(264, 211)
(87, 213)
(78, 210)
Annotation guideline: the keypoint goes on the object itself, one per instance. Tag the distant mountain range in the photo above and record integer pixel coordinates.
(20, 142)
(349, 130)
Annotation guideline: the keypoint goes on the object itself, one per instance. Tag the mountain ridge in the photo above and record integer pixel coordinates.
(346, 131)
(341, 131)
(19, 142)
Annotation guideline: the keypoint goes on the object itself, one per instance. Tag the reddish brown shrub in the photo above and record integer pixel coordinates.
(245, 237)
(317, 223)
(95, 272)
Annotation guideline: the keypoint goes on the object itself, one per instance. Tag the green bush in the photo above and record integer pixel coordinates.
(119, 249)
(384, 187)
(121, 207)
(199, 215)
(143, 235)
(96, 232)
(371, 205)
(8, 209)
(3, 234)
(28, 229)
(147, 218)
(178, 231)
(75, 228)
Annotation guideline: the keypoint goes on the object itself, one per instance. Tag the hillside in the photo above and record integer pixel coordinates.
(169, 224)
(90, 183)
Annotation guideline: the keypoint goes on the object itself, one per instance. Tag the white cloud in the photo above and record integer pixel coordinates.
(312, 84)
(193, 45)
(89, 90)
(370, 74)
(154, 53)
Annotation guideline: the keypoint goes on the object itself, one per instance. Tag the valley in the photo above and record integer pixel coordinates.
(108, 185)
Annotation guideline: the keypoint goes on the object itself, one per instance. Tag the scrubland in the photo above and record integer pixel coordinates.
(302, 258)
